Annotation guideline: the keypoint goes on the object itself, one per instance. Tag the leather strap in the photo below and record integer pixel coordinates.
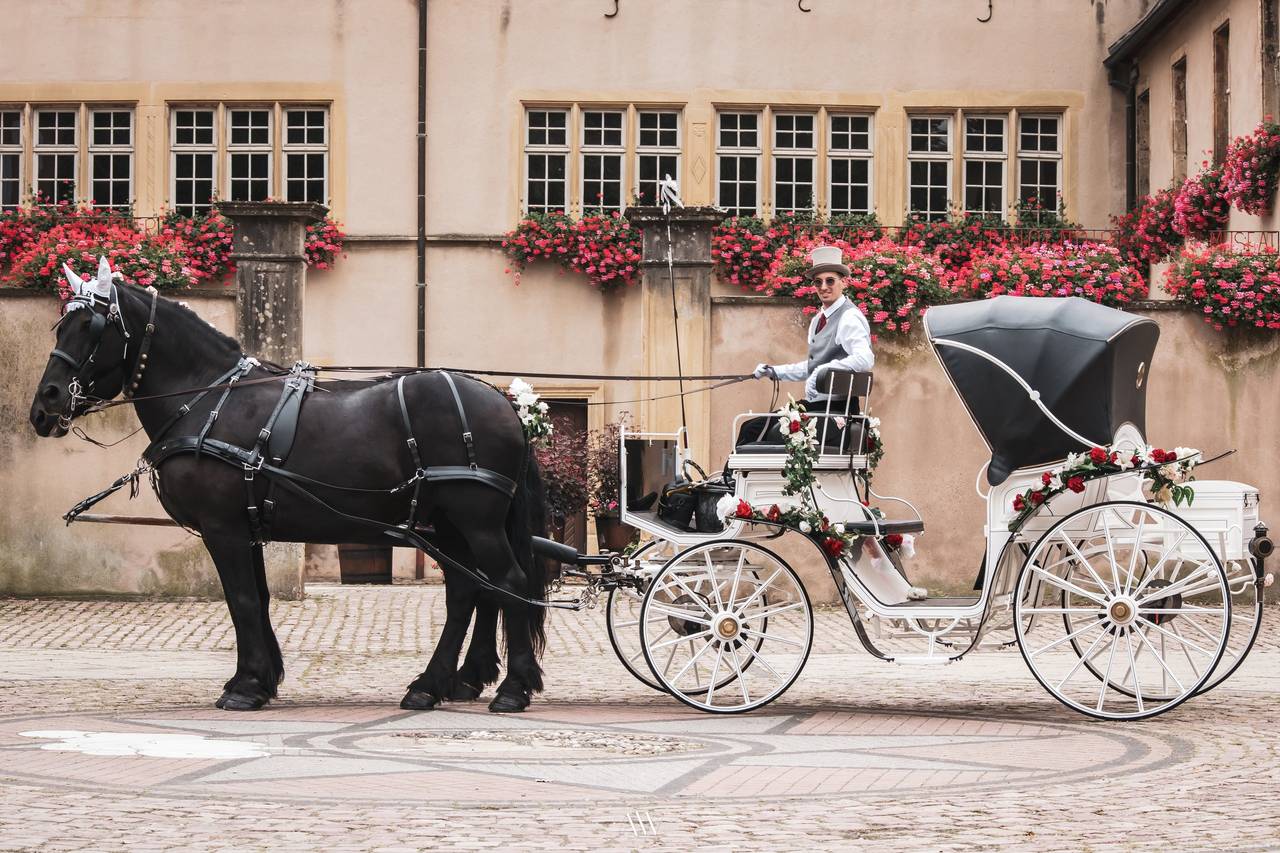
(143, 348)
(418, 470)
(467, 438)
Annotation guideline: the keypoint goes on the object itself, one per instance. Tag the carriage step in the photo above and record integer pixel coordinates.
(921, 660)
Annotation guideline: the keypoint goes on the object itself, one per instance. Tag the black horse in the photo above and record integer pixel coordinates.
(352, 434)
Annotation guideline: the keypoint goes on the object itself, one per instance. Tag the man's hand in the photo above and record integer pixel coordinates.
(765, 370)
(815, 381)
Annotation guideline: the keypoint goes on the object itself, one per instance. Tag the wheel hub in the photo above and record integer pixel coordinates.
(727, 627)
(1122, 610)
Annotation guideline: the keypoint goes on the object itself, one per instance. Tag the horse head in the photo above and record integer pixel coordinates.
(90, 360)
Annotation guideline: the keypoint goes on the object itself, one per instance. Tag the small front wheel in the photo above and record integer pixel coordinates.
(726, 626)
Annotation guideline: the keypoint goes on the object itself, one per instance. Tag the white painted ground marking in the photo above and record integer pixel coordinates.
(148, 744)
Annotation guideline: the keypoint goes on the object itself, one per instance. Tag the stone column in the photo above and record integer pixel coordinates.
(271, 277)
(690, 244)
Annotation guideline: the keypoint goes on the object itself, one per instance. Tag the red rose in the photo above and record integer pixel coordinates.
(893, 540)
(1018, 503)
(1046, 477)
(1076, 484)
(833, 545)
(774, 513)
(1097, 455)
(743, 510)
(795, 426)
(1037, 498)
(1158, 456)
(1134, 460)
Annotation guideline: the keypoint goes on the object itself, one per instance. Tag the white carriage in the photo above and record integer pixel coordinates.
(1122, 608)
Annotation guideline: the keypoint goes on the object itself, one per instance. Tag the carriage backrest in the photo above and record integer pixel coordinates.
(846, 384)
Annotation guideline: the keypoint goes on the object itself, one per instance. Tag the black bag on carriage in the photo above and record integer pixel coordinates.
(691, 505)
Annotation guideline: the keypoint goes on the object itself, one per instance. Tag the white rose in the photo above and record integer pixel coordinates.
(1125, 461)
(542, 407)
(908, 548)
(527, 398)
(1074, 460)
(726, 506)
(874, 423)
(518, 387)
(805, 527)
(1187, 454)
(1055, 481)
(838, 528)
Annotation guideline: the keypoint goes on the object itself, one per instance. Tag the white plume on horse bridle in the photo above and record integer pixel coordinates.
(84, 291)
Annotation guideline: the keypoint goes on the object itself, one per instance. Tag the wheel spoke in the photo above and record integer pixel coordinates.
(1175, 634)
(1178, 587)
(715, 671)
(1086, 656)
(1133, 563)
(1062, 583)
(765, 614)
(1153, 573)
(1065, 639)
(773, 638)
(759, 590)
(692, 661)
(737, 576)
(759, 658)
(677, 613)
(1111, 553)
(1142, 638)
(1106, 678)
(1083, 560)
(711, 575)
(697, 598)
(681, 638)
(1094, 610)
(742, 681)
(1133, 667)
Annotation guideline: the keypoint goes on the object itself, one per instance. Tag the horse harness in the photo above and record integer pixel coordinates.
(98, 323)
(270, 450)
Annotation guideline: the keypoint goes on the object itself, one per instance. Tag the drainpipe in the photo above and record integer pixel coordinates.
(1125, 76)
(422, 183)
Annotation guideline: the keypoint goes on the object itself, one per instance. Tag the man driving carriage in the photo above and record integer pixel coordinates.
(839, 335)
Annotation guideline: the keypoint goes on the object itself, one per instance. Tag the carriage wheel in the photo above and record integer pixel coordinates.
(731, 615)
(1138, 607)
(622, 616)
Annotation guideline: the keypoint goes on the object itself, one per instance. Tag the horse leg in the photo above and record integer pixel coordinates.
(495, 558)
(436, 681)
(273, 645)
(257, 673)
(480, 667)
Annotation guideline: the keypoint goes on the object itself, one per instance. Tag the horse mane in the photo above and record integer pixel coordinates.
(190, 324)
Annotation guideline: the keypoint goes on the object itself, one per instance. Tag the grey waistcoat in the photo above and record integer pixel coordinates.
(825, 347)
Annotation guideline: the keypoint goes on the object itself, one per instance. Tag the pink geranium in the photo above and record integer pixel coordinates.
(1250, 169)
(1094, 271)
(1229, 287)
(1200, 210)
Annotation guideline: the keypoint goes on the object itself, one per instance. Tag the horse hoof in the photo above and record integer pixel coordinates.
(508, 703)
(464, 692)
(238, 702)
(419, 700)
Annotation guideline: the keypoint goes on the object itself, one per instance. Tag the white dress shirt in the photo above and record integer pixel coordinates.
(854, 336)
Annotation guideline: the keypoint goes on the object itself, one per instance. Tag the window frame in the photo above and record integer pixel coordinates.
(250, 148)
(1040, 155)
(16, 151)
(39, 149)
(546, 149)
(986, 157)
(739, 152)
(210, 148)
(602, 150)
(866, 155)
(305, 148)
(947, 158)
(658, 151)
(112, 149)
(795, 154)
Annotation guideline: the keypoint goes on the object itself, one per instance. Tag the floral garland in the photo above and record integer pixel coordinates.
(1250, 169)
(532, 411)
(1166, 471)
(800, 430)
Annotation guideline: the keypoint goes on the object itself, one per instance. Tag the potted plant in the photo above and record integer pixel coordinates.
(563, 462)
(605, 483)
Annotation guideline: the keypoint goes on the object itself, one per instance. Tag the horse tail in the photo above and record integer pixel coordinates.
(528, 518)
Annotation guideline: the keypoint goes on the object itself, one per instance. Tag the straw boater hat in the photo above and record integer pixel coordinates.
(826, 259)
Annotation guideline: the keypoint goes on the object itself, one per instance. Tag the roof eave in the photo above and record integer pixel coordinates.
(1128, 45)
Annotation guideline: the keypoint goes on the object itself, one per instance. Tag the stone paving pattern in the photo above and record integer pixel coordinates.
(857, 754)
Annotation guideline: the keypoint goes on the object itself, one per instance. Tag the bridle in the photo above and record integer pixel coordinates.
(79, 392)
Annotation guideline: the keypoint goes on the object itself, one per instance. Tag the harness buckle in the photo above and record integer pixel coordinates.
(250, 468)
(263, 435)
(412, 442)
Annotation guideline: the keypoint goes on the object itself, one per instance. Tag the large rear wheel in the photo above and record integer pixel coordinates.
(1138, 611)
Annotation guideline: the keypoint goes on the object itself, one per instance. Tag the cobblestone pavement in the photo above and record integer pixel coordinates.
(108, 741)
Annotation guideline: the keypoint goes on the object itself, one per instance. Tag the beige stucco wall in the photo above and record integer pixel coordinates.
(40, 479)
(1207, 390)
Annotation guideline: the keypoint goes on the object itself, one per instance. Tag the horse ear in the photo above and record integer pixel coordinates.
(77, 283)
(103, 284)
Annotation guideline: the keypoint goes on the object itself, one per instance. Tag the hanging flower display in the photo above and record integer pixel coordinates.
(956, 239)
(1199, 209)
(207, 239)
(1250, 169)
(742, 253)
(1145, 235)
(1229, 288)
(603, 247)
(532, 411)
(323, 243)
(139, 258)
(1165, 473)
(1093, 271)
